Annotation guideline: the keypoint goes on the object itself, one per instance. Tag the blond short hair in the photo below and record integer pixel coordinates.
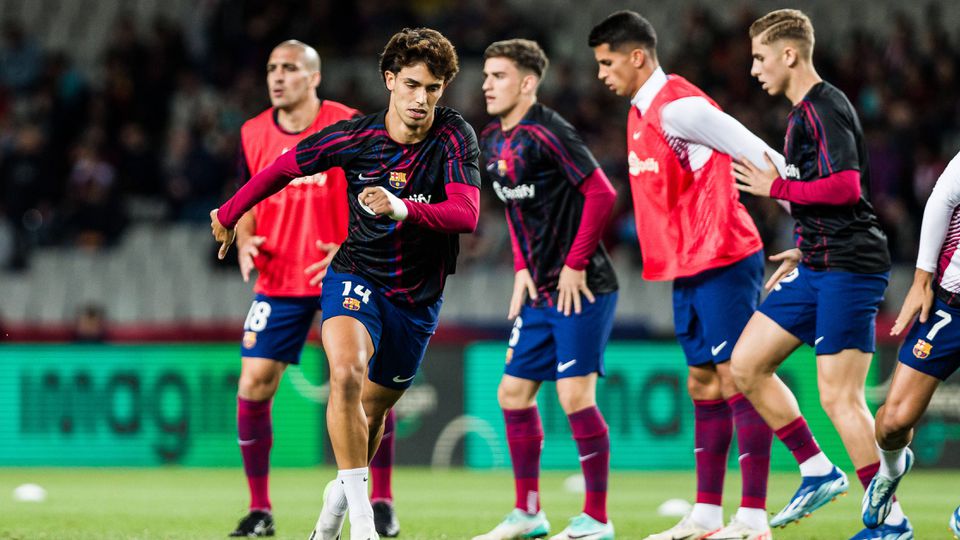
(785, 24)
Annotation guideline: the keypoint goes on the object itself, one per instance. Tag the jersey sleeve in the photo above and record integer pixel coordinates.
(834, 134)
(937, 213)
(462, 155)
(333, 146)
(562, 142)
(243, 167)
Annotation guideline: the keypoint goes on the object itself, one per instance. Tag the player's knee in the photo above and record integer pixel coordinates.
(742, 377)
(894, 421)
(512, 396)
(572, 401)
(256, 387)
(346, 376)
(840, 400)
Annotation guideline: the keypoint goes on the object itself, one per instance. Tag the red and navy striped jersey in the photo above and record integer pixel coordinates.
(409, 263)
(824, 137)
(536, 169)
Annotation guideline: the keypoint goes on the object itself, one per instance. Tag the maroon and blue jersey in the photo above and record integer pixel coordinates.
(536, 169)
(407, 262)
(824, 137)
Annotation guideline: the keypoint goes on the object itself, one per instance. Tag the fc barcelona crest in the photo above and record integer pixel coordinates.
(249, 339)
(502, 167)
(398, 179)
(922, 349)
(351, 303)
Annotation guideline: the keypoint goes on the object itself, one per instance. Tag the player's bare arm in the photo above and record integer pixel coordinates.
(788, 260)
(523, 287)
(319, 268)
(248, 245)
(221, 234)
(919, 299)
(752, 179)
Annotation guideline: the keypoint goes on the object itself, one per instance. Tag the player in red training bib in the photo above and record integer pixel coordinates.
(694, 231)
(289, 239)
(413, 186)
(828, 290)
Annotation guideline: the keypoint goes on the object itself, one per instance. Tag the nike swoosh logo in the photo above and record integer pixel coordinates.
(718, 348)
(818, 340)
(588, 456)
(362, 177)
(697, 450)
(636, 135)
(743, 456)
(242, 442)
(562, 366)
(397, 379)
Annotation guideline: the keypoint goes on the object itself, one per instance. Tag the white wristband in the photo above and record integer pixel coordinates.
(399, 208)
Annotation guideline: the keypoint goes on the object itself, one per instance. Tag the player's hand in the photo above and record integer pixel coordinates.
(789, 260)
(221, 234)
(523, 285)
(571, 284)
(752, 179)
(919, 300)
(319, 268)
(380, 202)
(246, 252)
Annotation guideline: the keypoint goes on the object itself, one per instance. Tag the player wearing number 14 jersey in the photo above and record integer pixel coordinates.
(413, 185)
(289, 239)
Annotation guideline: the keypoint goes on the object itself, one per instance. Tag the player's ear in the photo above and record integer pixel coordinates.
(637, 57)
(790, 56)
(390, 79)
(529, 84)
(316, 78)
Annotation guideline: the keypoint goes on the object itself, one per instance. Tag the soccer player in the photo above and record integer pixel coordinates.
(931, 350)
(829, 289)
(694, 231)
(413, 186)
(280, 238)
(557, 203)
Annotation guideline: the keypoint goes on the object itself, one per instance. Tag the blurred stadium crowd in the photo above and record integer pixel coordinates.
(151, 131)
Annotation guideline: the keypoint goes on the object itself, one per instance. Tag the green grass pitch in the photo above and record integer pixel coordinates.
(179, 503)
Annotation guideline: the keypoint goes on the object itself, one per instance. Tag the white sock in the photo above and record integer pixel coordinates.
(708, 516)
(354, 483)
(337, 498)
(893, 463)
(755, 518)
(896, 516)
(817, 465)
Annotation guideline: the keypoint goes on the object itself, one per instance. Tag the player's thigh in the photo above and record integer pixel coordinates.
(351, 325)
(581, 338)
(403, 342)
(687, 325)
(725, 299)
(847, 305)
(791, 305)
(577, 393)
(517, 393)
(762, 347)
(531, 350)
(277, 327)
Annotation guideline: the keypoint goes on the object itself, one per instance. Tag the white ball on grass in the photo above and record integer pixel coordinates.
(29, 493)
(575, 484)
(674, 508)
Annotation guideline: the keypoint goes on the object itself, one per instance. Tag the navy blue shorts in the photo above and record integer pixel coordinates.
(277, 327)
(831, 311)
(545, 345)
(933, 347)
(711, 309)
(399, 333)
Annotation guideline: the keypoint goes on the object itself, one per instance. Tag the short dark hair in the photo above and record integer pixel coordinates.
(527, 54)
(414, 45)
(624, 28)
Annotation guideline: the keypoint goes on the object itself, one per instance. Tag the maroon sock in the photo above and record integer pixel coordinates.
(713, 432)
(525, 438)
(255, 432)
(381, 466)
(866, 474)
(754, 438)
(796, 436)
(593, 443)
